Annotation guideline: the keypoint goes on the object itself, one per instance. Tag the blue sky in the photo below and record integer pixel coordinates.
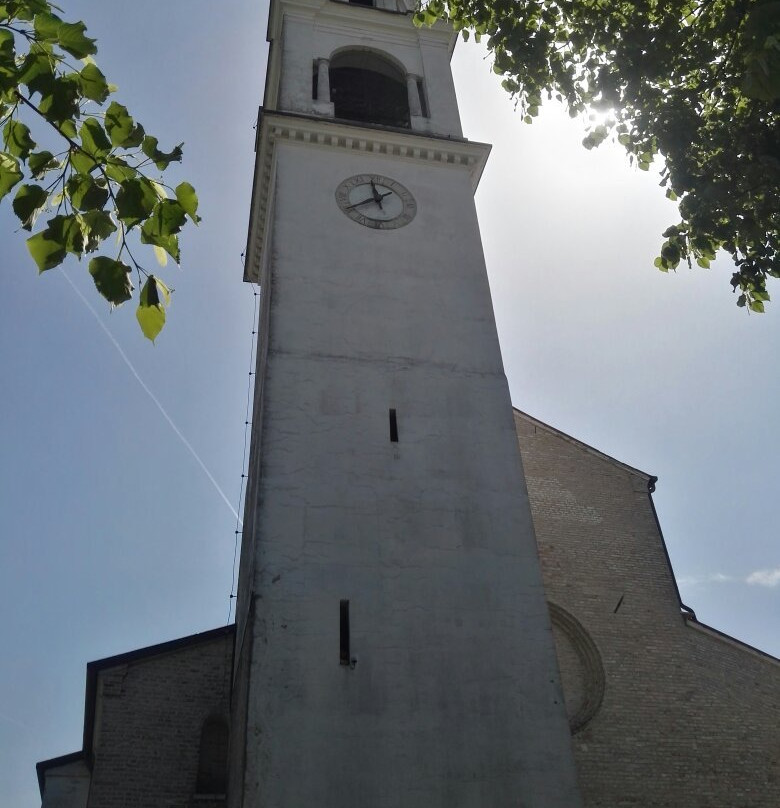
(114, 537)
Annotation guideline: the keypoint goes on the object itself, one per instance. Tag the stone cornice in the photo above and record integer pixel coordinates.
(344, 14)
(342, 135)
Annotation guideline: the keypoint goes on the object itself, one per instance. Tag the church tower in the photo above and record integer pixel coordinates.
(393, 646)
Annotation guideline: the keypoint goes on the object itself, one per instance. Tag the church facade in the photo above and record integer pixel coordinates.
(663, 710)
(420, 621)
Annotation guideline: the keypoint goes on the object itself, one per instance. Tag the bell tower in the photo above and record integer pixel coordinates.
(393, 646)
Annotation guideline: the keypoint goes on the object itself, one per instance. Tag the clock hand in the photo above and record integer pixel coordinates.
(370, 199)
(358, 204)
(375, 194)
(379, 197)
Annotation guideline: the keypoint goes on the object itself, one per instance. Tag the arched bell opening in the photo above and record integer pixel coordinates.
(369, 88)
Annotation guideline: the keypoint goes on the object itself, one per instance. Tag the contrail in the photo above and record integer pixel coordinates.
(153, 397)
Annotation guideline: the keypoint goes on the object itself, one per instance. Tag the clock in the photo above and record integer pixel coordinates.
(376, 201)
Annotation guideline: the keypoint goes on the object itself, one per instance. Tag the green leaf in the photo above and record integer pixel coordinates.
(40, 162)
(161, 159)
(93, 84)
(46, 26)
(160, 228)
(82, 162)
(159, 190)
(135, 201)
(757, 306)
(10, 173)
(71, 38)
(47, 251)
(154, 298)
(85, 192)
(670, 253)
(17, 139)
(161, 256)
(98, 225)
(661, 264)
(112, 279)
(167, 218)
(6, 46)
(121, 128)
(168, 243)
(94, 140)
(36, 71)
(188, 199)
(68, 128)
(118, 170)
(28, 202)
(66, 233)
(59, 97)
(27, 9)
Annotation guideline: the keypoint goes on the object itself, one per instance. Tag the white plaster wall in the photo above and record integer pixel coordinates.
(455, 699)
(313, 33)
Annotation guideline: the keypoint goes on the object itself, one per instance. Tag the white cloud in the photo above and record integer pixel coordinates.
(764, 577)
(697, 580)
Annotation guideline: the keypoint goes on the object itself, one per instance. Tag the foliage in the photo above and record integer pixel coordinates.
(94, 182)
(695, 83)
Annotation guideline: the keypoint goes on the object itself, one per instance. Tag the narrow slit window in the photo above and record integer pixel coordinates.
(393, 427)
(315, 80)
(344, 657)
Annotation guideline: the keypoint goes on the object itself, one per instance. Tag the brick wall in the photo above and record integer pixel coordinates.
(686, 717)
(148, 720)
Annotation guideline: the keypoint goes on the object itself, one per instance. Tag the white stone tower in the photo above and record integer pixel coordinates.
(393, 644)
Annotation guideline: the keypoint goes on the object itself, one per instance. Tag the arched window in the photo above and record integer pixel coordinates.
(213, 756)
(369, 88)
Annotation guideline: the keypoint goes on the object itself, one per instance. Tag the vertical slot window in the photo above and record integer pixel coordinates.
(393, 426)
(344, 656)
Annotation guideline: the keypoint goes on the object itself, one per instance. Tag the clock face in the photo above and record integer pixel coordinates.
(376, 201)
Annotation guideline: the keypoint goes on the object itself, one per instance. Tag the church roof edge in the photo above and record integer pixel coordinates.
(695, 623)
(42, 766)
(97, 665)
(651, 478)
(160, 648)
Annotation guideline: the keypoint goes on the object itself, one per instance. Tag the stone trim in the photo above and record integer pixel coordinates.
(335, 134)
(592, 667)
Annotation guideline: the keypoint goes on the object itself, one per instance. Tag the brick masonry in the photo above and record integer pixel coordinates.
(148, 720)
(687, 717)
